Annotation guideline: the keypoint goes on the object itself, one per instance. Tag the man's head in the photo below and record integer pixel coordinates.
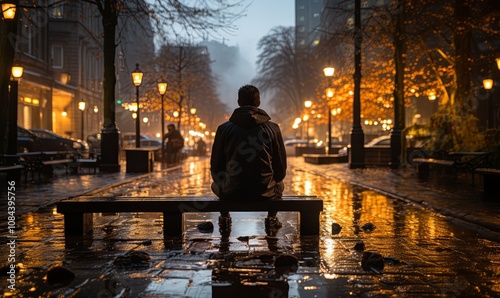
(248, 95)
(170, 127)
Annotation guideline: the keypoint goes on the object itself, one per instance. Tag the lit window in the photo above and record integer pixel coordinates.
(55, 10)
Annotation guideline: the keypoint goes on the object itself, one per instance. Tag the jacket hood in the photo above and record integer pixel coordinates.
(249, 116)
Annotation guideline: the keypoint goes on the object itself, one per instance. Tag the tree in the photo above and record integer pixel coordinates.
(285, 71)
(191, 83)
(203, 17)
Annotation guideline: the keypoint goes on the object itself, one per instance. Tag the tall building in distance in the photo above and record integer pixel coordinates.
(308, 22)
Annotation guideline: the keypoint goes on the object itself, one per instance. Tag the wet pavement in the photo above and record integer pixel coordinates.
(438, 239)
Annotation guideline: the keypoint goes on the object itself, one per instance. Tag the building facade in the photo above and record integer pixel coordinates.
(60, 47)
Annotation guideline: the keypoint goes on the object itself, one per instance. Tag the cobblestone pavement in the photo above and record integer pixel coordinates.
(437, 239)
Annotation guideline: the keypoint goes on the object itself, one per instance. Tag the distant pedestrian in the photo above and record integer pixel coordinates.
(248, 160)
(201, 147)
(175, 142)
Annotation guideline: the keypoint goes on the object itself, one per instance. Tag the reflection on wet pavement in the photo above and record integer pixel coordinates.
(424, 254)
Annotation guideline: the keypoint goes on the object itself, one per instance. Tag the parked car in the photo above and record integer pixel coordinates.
(26, 141)
(94, 142)
(380, 142)
(50, 141)
(128, 139)
(385, 142)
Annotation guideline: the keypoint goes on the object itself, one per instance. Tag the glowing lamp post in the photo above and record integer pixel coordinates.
(81, 107)
(17, 72)
(162, 88)
(488, 84)
(137, 79)
(328, 71)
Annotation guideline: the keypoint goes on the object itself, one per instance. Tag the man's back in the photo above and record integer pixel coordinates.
(248, 156)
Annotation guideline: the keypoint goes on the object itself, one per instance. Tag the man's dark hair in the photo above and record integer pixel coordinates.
(171, 125)
(249, 95)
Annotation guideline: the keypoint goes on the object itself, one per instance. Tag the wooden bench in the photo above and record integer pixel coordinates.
(423, 164)
(90, 163)
(491, 180)
(78, 212)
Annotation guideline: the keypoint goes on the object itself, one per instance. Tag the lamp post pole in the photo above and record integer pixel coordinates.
(488, 84)
(17, 72)
(81, 107)
(357, 156)
(329, 71)
(8, 99)
(137, 79)
(162, 88)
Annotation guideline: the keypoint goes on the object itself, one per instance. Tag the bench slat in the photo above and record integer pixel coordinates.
(435, 161)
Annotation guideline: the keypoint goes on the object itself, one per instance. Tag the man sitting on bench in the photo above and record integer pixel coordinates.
(248, 160)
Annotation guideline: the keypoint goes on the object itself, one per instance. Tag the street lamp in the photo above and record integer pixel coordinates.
(357, 156)
(8, 11)
(17, 72)
(137, 79)
(81, 107)
(307, 104)
(162, 88)
(328, 71)
(488, 84)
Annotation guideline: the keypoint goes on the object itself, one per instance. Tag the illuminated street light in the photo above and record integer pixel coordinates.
(8, 11)
(162, 88)
(329, 71)
(81, 107)
(488, 85)
(17, 72)
(137, 79)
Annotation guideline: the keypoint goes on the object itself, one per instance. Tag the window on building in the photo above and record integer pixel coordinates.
(57, 55)
(316, 15)
(55, 9)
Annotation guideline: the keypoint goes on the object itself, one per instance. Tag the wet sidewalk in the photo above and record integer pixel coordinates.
(455, 197)
(426, 253)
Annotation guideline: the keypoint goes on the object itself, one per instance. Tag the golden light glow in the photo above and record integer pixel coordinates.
(162, 88)
(328, 71)
(488, 84)
(133, 107)
(17, 71)
(9, 11)
(81, 106)
(329, 92)
(64, 113)
(176, 114)
(137, 76)
(307, 103)
(498, 63)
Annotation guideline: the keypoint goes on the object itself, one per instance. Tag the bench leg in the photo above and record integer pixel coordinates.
(172, 224)
(78, 224)
(423, 170)
(490, 184)
(309, 223)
